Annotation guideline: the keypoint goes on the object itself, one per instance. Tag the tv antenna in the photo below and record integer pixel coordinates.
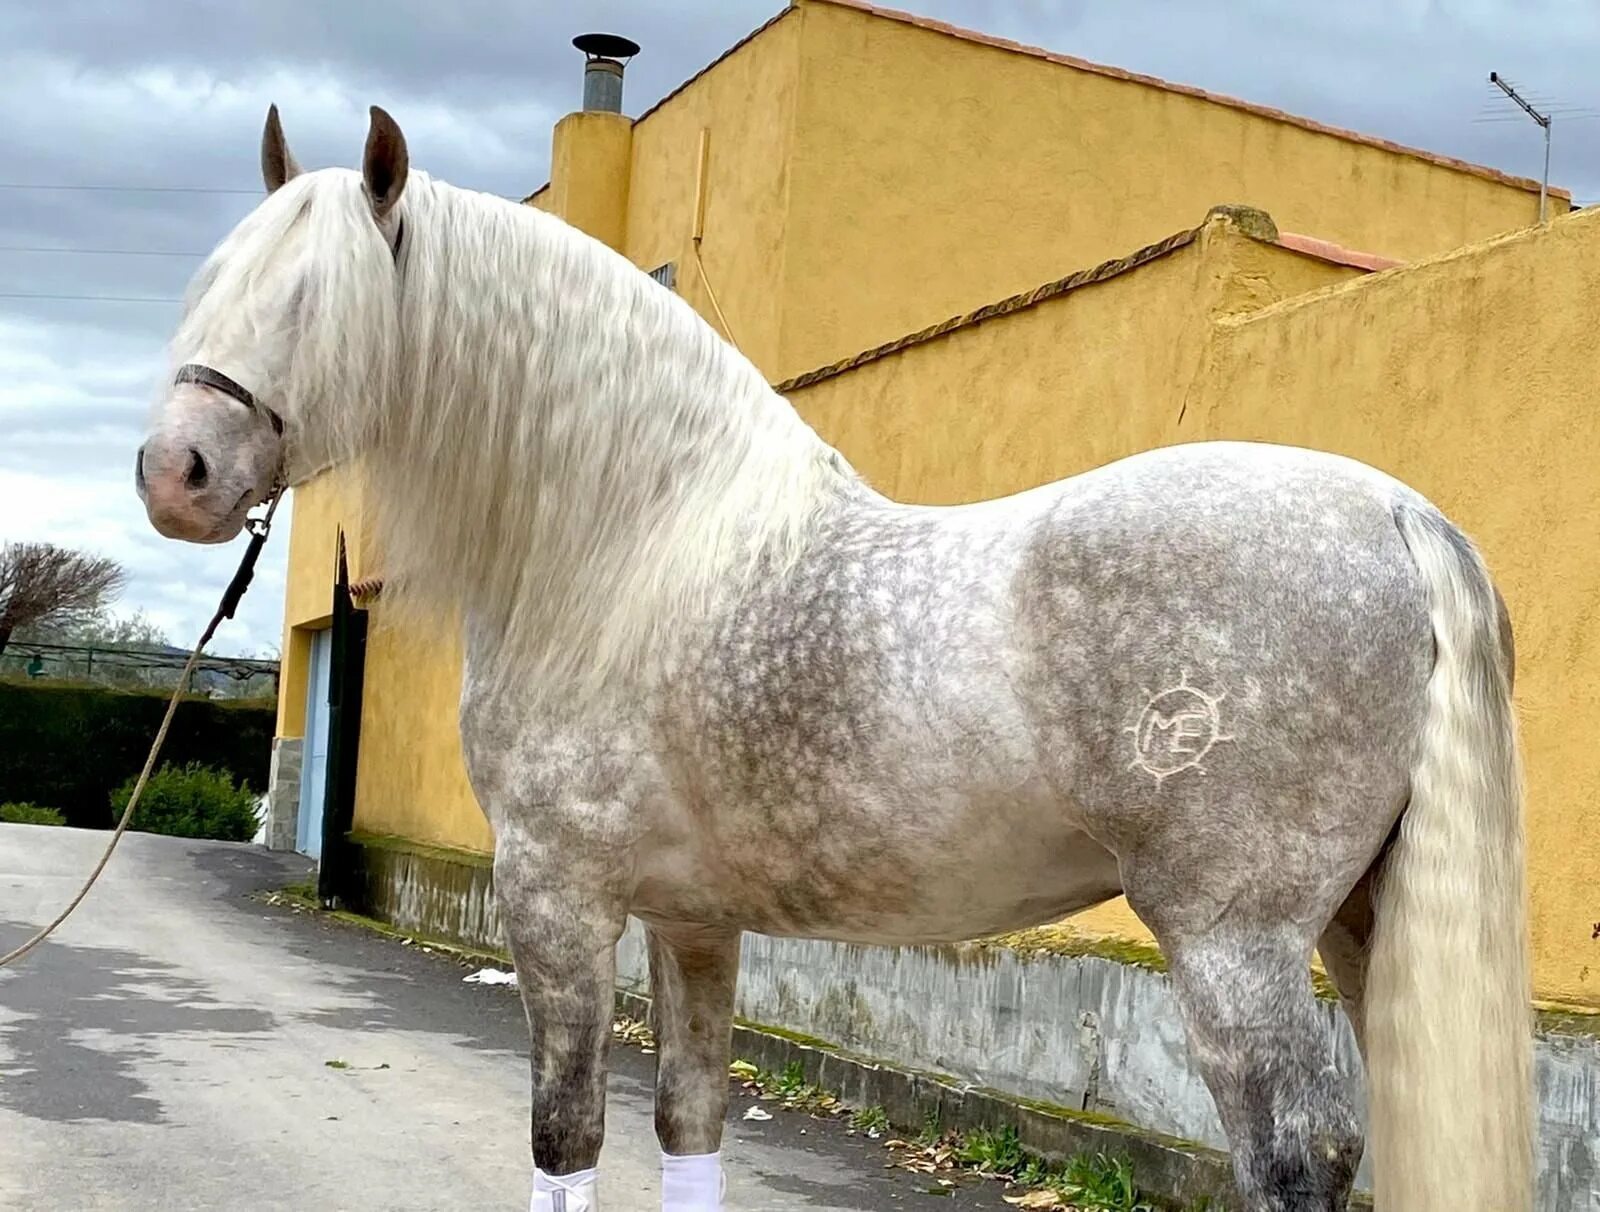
(1544, 120)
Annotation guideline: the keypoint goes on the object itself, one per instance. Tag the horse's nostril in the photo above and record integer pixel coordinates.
(138, 469)
(197, 469)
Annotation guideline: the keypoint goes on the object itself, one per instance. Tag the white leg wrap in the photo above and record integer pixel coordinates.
(691, 1184)
(578, 1192)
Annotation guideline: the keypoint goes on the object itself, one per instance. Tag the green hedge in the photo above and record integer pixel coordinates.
(71, 746)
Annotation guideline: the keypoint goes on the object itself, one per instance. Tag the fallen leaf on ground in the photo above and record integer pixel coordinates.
(1035, 1199)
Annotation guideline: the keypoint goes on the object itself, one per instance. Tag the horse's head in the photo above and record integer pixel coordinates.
(235, 423)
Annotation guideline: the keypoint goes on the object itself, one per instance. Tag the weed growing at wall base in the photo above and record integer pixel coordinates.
(1096, 1182)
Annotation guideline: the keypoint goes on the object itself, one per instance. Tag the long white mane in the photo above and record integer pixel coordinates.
(549, 441)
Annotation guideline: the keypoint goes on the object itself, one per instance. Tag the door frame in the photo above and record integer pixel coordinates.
(318, 675)
(346, 675)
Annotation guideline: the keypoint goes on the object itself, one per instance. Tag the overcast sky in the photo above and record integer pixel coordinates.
(107, 95)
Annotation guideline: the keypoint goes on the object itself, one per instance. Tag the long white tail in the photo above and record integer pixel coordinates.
(1448, 1017)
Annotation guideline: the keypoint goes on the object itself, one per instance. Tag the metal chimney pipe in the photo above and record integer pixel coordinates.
(605, 56)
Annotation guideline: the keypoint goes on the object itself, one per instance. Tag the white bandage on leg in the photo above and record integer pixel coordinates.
(576, 1192)
(691, 1184)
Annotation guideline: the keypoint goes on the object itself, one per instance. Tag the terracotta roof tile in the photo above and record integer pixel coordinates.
(1326, 250)
(1310, 246)
(1003, 307)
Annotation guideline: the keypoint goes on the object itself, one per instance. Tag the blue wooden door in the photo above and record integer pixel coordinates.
(314, 758)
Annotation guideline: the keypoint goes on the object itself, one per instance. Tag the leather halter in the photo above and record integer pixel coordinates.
(196, 372)
(206, 376)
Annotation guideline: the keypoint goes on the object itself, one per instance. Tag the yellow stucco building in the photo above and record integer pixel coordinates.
(975, 267)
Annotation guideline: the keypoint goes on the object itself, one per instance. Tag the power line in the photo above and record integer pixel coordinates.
(99, 252)
(258, 192)
(131, 189)
(22, 294)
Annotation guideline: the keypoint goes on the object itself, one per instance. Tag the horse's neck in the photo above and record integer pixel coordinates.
(849, 512)
(614, 472)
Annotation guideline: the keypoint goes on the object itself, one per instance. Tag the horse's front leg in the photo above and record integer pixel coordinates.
(693, 971)
(563, 914)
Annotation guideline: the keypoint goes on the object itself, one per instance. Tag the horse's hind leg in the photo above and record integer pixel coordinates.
(693, 972)
(1255, 1031)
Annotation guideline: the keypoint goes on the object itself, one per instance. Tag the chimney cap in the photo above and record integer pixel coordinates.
(606, 46)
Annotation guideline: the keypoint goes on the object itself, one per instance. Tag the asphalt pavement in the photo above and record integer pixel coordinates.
(180, 1044)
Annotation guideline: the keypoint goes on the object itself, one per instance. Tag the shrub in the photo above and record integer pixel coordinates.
(69, 746)
(191, 801)
(30, 814)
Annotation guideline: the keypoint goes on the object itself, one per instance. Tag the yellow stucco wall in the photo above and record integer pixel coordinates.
(590, 154)
(1074, 382)
(932, 174)
(1078, 381)
(745, 106)
(410, 778)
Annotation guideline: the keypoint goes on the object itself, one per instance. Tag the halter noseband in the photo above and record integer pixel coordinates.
(206, 376)
(195, 372)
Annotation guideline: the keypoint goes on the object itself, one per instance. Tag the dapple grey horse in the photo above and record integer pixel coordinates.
(717, 682)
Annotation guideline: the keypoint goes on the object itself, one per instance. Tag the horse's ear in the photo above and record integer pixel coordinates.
(277, 165)
(383, 167)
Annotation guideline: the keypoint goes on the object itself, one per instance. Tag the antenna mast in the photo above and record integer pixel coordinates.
(1500, 82)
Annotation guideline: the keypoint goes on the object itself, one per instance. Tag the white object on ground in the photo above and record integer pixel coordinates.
(260, 838)
(491, 976)
(758, 1113)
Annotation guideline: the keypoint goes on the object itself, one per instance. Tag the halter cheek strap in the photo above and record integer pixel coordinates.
(205, 376)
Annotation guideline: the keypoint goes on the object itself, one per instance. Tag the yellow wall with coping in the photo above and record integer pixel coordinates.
(1078, 381)
(1471, 378)
(932, 174)
(1058, 388)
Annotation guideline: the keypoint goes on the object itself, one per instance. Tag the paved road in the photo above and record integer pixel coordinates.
(168, 1050)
